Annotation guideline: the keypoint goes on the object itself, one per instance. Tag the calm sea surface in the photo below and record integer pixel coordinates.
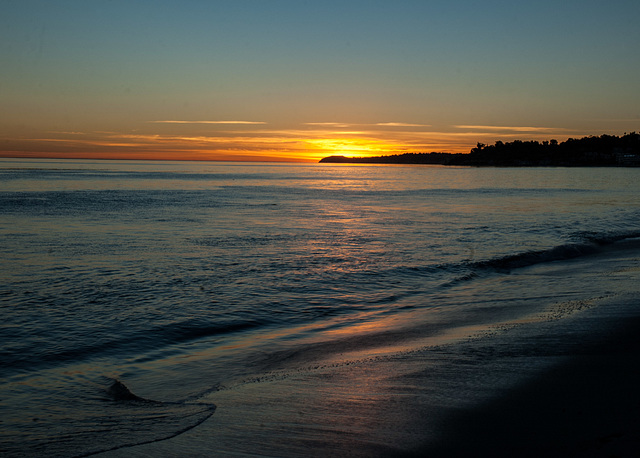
(183, 279)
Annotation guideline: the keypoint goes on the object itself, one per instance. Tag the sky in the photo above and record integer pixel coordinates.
(300, 80)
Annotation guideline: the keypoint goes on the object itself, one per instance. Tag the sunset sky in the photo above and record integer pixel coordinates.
(300, 80)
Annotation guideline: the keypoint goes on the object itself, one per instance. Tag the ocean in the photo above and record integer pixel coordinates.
(240, 309)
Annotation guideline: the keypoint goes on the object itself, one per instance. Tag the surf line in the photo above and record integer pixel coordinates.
(119, 392)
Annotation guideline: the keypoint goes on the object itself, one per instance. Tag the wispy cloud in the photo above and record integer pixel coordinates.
(310, 141)
(327, 124)
(400, 124)
(207, 122)
(379, 124)
(512, 128)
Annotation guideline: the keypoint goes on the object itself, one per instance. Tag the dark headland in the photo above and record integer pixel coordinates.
(602, 151)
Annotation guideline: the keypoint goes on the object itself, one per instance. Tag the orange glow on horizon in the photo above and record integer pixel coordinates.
(354, 147)
(253, 143)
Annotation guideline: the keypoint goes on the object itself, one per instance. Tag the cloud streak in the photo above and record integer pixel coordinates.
(327, 124)
(308, 142)
(511, 128)
(400, 124)
(207, 122)
(378, 124)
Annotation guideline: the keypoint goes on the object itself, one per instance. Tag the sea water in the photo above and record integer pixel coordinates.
(136, 296)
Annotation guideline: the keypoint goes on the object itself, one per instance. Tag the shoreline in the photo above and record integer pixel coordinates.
(559, 382)
(567, 395)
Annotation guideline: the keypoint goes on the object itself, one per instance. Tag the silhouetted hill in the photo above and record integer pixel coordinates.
(605, 150)
(406, 158)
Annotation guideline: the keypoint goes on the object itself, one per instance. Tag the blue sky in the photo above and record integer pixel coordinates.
(305, 79)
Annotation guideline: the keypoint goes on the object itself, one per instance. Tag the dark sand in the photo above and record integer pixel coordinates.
(589, 406)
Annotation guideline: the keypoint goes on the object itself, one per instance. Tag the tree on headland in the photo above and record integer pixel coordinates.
(605, 150)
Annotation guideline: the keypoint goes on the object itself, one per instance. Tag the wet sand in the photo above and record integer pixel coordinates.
(584, 404)
(588, 406)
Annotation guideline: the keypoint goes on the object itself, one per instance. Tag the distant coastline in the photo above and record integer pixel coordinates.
(602, 151)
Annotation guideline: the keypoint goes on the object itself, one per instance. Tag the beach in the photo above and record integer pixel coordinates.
(285, 310)
(303, 229)
(586, 406)
(562, 382)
